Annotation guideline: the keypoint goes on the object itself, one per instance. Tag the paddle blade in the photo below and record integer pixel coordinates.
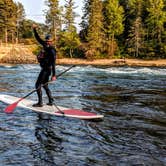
(10, 108)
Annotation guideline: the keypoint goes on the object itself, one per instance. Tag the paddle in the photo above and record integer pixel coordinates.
(10, 108)
(54, 105)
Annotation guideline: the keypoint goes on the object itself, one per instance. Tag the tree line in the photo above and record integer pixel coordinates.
(109, 28)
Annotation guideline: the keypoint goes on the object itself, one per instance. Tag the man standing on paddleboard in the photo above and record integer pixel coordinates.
(46, 58)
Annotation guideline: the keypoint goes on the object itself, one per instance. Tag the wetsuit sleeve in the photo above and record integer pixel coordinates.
(42, 42)
(53, 61)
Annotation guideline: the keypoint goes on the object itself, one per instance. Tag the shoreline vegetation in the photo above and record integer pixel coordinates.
(108, 29)
(113, 62)
(22, 54)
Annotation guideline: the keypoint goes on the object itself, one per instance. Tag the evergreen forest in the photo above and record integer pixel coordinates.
(109, 28)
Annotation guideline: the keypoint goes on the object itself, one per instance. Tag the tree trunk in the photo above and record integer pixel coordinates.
(71, 56)
(6, 35)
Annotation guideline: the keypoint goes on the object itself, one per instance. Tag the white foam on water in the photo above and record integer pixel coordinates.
(137, 71)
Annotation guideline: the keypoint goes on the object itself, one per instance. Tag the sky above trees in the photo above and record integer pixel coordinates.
(34, 9)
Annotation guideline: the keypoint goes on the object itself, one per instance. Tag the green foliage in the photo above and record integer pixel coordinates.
(155, 25)
(69, 16)
(68, 39)
(53, 18)
(54, 21)
(7, 19)
(69, 43)
(113, 24)
(113, 18)
(109, 28)
(95, 33)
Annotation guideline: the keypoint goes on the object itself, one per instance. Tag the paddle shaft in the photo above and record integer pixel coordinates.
(12, 106)
(54, 105)
(47, 82)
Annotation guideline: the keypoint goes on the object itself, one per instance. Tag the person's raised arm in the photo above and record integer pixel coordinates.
(42, 42)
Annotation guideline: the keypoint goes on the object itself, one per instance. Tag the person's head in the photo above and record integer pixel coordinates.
(48, 39)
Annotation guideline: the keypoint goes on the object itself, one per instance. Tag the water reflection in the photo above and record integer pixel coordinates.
(48, 142)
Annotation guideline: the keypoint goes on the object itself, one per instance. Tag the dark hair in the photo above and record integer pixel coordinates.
(48, 37)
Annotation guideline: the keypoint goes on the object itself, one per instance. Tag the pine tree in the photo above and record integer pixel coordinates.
(69, 16)
(155, 22)
(69, 39)
(126, 22)
(135, 40)
(20, 17)
(95, 33)
(7, 19)
(113, 24)
(2, 18)
(53, 17)
(84, 23)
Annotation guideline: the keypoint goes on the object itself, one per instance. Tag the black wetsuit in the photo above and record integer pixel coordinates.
(47, 63)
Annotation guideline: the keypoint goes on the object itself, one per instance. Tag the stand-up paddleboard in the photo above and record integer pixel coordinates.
(53, 110)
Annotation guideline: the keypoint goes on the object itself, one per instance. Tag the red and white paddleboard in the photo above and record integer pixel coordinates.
(53, 110)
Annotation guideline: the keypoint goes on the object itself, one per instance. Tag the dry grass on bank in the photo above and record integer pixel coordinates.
(20, 53)
(113, 62)
(101, 62)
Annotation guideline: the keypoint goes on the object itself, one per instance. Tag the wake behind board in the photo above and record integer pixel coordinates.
(68, 112)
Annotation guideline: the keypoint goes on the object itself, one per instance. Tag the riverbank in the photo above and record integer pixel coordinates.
(113, 62)
(101, 62)
(22, 54)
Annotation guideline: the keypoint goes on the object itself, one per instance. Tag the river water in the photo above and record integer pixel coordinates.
(133, 131)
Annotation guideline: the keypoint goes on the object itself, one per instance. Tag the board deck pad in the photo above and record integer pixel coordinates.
(69, 112)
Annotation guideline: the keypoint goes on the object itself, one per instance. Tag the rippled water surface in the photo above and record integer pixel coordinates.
(133, 131)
